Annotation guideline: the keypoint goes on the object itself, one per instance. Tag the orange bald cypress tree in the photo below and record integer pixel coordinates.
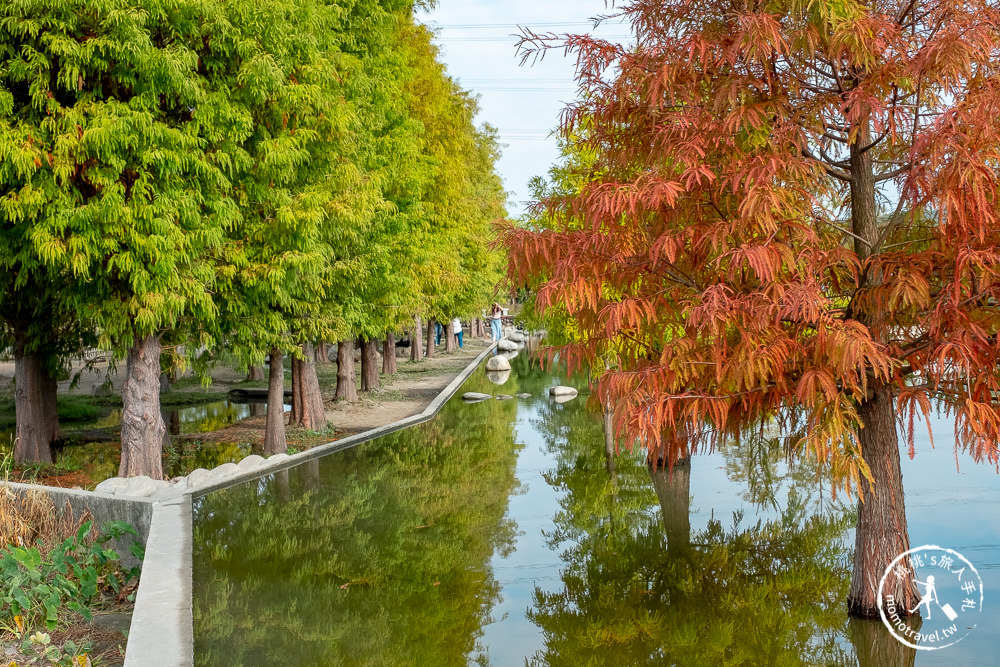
(793, 212)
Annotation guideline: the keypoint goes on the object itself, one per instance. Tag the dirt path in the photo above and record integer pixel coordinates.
(405, 394)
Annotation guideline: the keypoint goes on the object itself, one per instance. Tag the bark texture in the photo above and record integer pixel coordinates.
(369, 368)
(450, 344)
(143, 430)
(322, 355)
(255, 373)
(389, 354)
(35, 408)
(307, 400)
(347, 388)
(416, 340)
(430, 339)
(882, 533)
(274, 424)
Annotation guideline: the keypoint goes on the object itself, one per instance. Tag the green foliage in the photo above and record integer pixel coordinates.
(42, 592)
(40, 646)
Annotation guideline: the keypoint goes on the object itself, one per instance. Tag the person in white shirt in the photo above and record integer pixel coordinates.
(456, 326)
(496, 315)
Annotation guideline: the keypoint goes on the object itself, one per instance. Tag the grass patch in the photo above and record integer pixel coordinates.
(72, 408)
(173, 399)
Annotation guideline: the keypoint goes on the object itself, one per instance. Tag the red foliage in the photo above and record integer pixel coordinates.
(792, 204)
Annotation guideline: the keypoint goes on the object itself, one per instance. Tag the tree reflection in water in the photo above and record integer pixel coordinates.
(638, 587)
(379, 555)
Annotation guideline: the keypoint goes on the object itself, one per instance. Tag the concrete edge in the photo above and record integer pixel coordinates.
(345, 443)
(137, 512)
(162, 628)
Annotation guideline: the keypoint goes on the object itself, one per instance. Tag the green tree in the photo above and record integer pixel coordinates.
(112, 183)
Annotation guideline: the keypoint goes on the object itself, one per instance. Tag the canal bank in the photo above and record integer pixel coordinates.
(161, 631)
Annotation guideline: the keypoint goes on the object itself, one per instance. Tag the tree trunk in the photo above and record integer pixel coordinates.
(295, 414)
(347, 388)
(673, 489)
(255, 373)
(308, 409)
(369, 370)
(449, 338)
(322, 356)
(430, 339)
(35, 408)
(274, 428)
(389, 354)
(874, 645)
(143, 430)
(311, 474)
(416, 353)
(283, 485)
(174, 427)
(609, 441)
(882, 533)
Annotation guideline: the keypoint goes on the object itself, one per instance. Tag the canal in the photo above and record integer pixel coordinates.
(500, 533)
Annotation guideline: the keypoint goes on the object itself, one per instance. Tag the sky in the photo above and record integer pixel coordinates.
(478, 41)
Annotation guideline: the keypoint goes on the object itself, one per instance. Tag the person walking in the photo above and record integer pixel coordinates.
(456, 326)
(496, 316)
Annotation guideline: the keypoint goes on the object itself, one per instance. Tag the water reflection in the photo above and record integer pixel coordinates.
(505, 532)
(378, 555)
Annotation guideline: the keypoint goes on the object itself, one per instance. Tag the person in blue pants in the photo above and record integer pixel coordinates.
(496, 315)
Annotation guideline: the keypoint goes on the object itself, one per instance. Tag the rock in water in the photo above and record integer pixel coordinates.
(497, 377)
(507, 346)
(563, 390)
(474, 396)
(498, 363)
(504, 397)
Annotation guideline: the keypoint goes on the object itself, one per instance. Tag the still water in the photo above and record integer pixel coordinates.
(500, 533)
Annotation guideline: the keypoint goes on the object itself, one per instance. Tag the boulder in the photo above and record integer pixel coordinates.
(141, 487)
(507, 345)
(225, 470)
(251, 462)
(498, 377)
(112, 485)
(517, 337)
(474, 396)
(508, 355)
(497, 363)
(563, 390)
(198, 477)
(562, 398)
